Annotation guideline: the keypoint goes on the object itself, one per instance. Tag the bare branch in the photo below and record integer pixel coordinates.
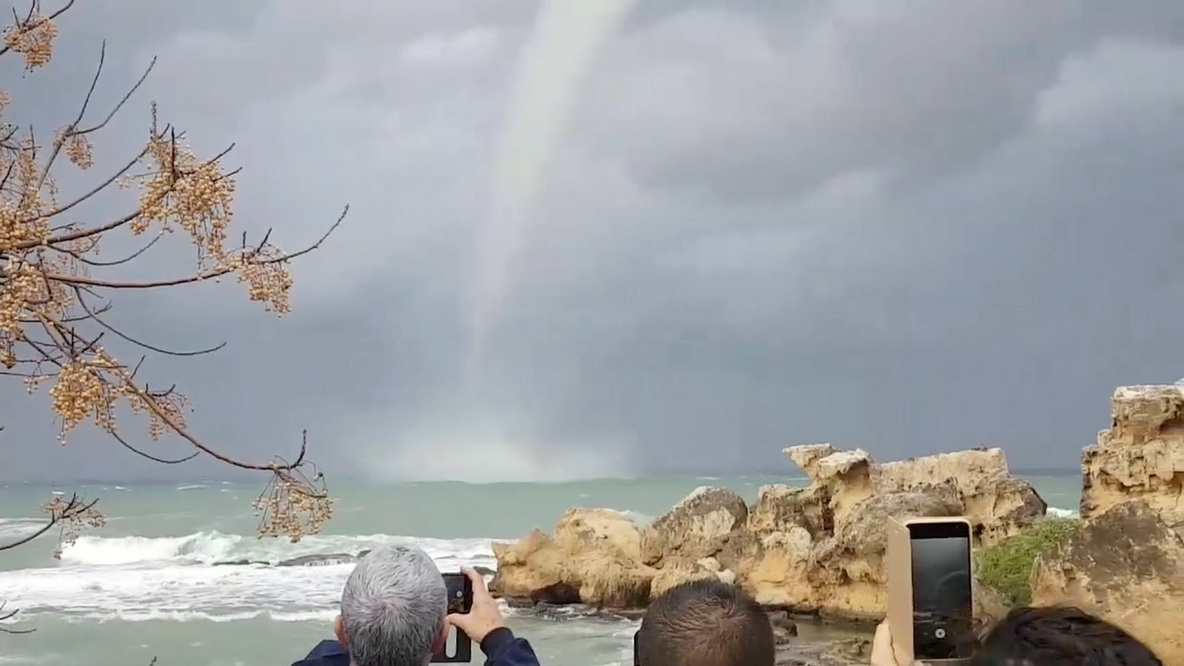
(127, 96)
(163, 461)
(69, 129)
(115, 224)
(70, 517)
(252, 259)
(8, 615)
(99, 320)
(71, 510)
(128, 258)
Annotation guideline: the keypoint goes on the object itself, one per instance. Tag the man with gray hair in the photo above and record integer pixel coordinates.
(394, 613)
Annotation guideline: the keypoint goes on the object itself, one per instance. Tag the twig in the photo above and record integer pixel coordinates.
(199, 277)
(75, 507)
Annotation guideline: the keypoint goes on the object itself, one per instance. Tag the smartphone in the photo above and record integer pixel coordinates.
(636, 654)
(460, 600)
(931, 589)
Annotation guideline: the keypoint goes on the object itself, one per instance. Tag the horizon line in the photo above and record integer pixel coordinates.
(702, 476)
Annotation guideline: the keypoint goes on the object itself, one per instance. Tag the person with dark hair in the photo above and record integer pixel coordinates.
(1043, 636)
(704, 623)
(1060, 636)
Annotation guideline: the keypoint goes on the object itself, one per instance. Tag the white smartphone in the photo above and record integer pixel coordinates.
(931, 589)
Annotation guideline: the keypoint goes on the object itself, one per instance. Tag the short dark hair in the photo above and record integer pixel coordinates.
(1060, 636)
(705, 623)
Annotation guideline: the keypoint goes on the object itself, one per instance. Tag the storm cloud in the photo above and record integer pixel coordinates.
(904, 225)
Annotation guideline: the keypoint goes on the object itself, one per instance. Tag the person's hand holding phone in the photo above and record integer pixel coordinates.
(484, 616)
(883, 654)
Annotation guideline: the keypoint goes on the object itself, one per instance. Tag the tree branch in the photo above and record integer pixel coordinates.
(168, 352)
(250, 259)
(53, 323)
(75, 507)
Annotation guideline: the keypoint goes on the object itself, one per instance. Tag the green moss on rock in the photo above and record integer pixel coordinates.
(1006, 567)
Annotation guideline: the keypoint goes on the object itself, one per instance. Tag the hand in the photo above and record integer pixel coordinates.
(883, 652)
(484, 617)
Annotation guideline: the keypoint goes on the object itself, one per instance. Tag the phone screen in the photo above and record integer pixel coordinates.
(459, 590)
(943, 605)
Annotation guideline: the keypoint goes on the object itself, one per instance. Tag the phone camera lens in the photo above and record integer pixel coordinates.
(940, 633)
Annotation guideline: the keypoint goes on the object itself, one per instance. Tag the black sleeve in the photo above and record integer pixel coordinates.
(503, 648)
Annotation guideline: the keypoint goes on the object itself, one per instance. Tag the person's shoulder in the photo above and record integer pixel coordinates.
(326, 653)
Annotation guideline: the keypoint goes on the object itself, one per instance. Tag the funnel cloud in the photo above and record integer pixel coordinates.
(589, 239)
(553, 64)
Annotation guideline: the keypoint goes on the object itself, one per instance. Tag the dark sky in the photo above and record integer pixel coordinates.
(903, 225)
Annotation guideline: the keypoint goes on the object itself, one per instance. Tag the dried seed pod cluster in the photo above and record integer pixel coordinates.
(32, 37)
(293, 505)
(71, 516)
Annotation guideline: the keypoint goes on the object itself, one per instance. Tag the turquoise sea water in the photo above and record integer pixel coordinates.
(145, 586)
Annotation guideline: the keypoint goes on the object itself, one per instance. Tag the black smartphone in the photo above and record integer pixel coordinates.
(460, 600)
(943, 602)
(636, 654)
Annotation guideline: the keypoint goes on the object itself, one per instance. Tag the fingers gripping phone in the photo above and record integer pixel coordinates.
(930, 589)
(460, 600)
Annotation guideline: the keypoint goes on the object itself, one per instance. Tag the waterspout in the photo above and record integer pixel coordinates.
(553, 65)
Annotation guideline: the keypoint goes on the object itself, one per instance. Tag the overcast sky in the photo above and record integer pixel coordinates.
(904, 225)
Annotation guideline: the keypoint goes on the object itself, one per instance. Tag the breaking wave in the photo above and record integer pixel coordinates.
(209, 576)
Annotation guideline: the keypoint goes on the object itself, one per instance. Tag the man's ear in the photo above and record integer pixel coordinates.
(441, 638)
(339, 631)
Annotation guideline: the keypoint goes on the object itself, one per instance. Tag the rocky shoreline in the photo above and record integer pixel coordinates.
(819, 550)
(813, 556)
(815, 550)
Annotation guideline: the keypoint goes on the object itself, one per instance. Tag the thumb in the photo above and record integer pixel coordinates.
(882, 654)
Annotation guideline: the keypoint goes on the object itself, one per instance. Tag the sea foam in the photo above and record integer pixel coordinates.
(189, 578)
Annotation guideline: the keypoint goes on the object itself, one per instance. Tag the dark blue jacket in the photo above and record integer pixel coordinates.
(501, 648)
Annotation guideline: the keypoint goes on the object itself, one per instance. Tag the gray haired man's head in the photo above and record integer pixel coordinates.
(392, 608)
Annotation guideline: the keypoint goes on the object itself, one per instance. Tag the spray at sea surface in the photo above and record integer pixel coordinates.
(554, 63)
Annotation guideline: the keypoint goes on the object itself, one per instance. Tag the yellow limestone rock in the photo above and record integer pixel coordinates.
(1141, 456)
(817, 548)
(1127, 561)
(1127, 565)
(594, 558)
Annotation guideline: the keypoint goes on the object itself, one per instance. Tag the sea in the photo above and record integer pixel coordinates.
(147, 585)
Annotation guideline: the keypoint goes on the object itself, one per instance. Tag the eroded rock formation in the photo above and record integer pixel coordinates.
(822, 547)
(594, 556)
(1127, 561)
(814, 548)
(1141, 456)
(1128, 565)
